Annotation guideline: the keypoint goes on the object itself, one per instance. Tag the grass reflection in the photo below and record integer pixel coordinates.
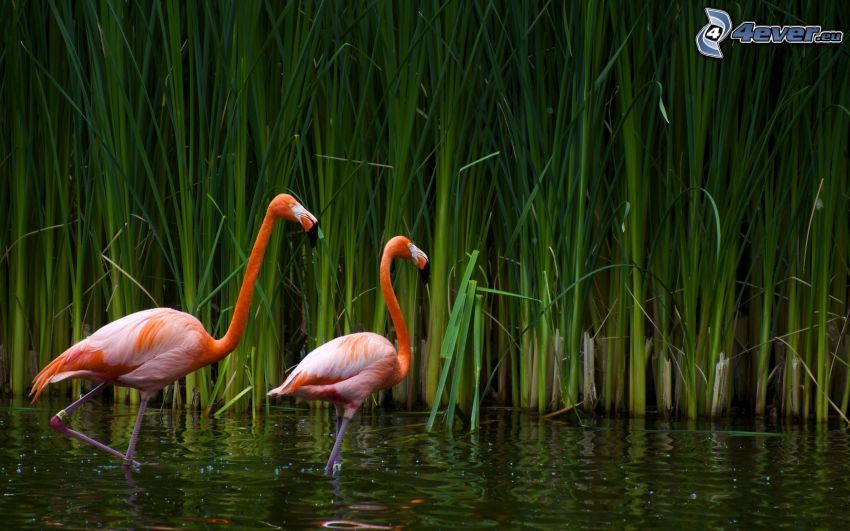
(518, 470)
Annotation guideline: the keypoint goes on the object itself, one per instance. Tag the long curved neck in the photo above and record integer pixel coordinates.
(395, 314)
(227, 344)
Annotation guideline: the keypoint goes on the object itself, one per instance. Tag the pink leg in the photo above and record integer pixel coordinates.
(83, 399)
(128, 459)
(340, 410)
(334, 458)
(58, 426)
(57, 423)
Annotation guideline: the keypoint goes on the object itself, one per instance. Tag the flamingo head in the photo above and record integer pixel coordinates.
(287, 207)
(401, 247)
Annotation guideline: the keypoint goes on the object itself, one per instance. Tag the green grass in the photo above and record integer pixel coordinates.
(571, 170)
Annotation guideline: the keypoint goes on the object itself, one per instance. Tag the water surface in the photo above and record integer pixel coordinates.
(519, 470)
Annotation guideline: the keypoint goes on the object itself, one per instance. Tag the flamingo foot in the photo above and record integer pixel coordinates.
(131, 465)
(56, 422)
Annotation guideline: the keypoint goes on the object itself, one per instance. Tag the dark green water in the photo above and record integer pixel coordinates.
(518, 471)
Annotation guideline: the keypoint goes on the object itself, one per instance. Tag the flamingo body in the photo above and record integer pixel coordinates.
(344, 371)
(145, 350)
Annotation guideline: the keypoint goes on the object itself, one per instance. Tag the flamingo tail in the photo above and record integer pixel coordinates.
(52, 372)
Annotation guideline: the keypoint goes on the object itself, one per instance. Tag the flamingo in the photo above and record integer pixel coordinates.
(346, 370)
(149, 349)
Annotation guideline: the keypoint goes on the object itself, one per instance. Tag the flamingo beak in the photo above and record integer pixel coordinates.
(308, 221)
(420, 260)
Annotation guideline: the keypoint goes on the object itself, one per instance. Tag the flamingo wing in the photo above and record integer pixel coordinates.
(338, 360)
(123, 346)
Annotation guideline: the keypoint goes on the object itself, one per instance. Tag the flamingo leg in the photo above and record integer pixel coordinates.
(128, 458)
(83, 399)
(339, 412)
(334, 458)
(58, 424)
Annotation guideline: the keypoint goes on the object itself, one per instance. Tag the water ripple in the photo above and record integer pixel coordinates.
(237, 472)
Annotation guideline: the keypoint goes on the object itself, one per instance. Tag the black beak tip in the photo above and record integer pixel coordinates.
(425, 273)
(313, 234)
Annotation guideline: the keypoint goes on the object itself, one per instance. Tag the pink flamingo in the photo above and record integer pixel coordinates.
(346, 370)
(147, 350)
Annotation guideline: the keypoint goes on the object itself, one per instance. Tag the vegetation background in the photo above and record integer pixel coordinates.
(613, 219)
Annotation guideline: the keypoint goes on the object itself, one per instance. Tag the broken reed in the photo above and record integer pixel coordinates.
(612, 219)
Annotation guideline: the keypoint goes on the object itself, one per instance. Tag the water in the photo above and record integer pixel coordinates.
(520, 470)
